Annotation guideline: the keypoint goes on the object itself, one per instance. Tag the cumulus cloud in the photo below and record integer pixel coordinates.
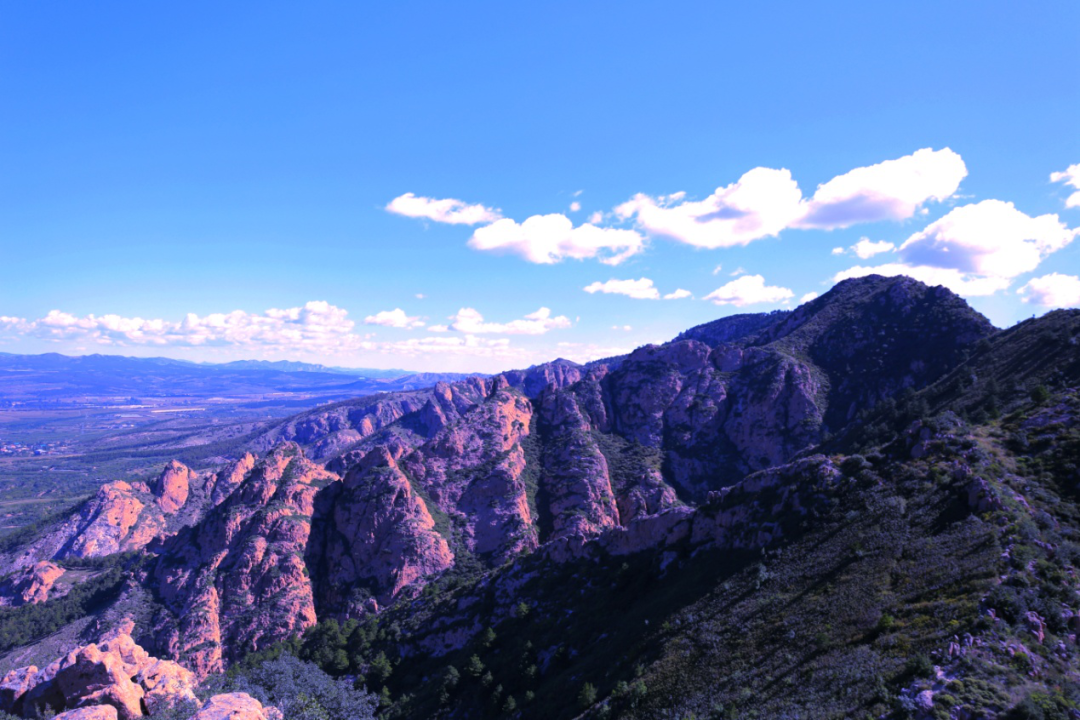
(1070, 177)
(1054, 291)
(395, 318)
(838, 251)
(449, 211)
(976, 249)
(761, 204)
(678, 294)
(8, 322)
(867, 248)
(465, 345)
(748, 290)
(439, 328)
(991, 238)
(575, 206)
(808, 297)
(552, 238)
(640, 289)
(765, 201)
(317, 326)
(890, 190)
(470, 321)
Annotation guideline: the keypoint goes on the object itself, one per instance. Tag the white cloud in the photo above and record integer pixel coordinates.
(975, 250)
(867, 248)
(640, 289)
(808, 297)
(449, 211)
(575, 206)
(596, 218)
(439, 328)
(551, 238)
(395, 318)
(766, 201)
(748, 290)
(316, 326)
(838, 251)
(470, 321)
(737, 272)
(761, 204)
(420, 296)
(13, 323)
(1070, 177)
(989, 239)
(960, 283)
(467, 345)
(890, 190)
(716, 270)
(625, 328)
(678, 294)
(1054, 290)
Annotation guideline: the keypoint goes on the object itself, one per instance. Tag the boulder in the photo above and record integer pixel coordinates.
(95, 712)
(236, 706)
(14, 686)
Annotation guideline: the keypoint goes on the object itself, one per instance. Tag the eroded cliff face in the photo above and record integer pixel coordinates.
(33, 584)
(237, 581)
(123, 517)
(113, 678)
(374, 539)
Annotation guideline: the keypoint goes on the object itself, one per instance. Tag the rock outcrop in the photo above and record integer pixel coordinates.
(236, 706)
(173, 486)
(116, 672)
(123, 517)
(32, 584)
(237, 581)
(374, 538)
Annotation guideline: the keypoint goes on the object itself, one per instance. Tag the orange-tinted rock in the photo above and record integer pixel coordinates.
(14, 686)
(376, 533)
(236, 706)
(89, 676)
(166, 683)
(115, 672)
(247, 553)
(30, 586)
(172, 487)
(230, 478)
(94, 712)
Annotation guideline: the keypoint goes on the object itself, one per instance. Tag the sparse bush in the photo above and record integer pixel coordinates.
(304, 692)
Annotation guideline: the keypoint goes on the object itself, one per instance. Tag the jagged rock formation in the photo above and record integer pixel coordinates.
(126, 517)
(32, 585)
(115, 672)
(237, 580)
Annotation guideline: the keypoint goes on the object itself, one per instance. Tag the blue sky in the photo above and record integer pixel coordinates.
(211, 180)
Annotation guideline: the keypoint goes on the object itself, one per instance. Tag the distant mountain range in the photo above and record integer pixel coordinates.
(51, 378)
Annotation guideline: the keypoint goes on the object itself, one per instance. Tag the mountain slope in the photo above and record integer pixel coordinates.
(865, 507)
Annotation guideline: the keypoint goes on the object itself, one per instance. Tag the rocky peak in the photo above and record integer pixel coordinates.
(247, 552)
(172, 486)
